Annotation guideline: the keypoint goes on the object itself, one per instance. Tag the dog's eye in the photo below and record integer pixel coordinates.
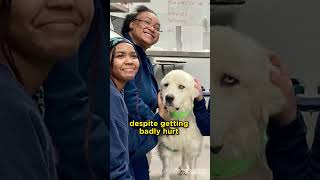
(228, 80)
(166, 84)
(181, 87)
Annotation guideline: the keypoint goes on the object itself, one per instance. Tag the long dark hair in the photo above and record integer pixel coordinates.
(5, 49)
(112, 52)
(132, 16)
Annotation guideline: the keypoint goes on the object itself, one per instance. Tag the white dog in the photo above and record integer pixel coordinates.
(178, 93)
(243, 99)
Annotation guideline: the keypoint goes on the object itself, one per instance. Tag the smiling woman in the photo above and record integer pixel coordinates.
(142, 28)
(124, 62)
(34, 36)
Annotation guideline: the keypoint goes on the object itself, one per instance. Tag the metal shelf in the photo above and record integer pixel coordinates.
(178, 54)
(129, 1)
(227, 2)
(116, 7)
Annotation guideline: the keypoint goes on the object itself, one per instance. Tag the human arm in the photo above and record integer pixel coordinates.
(286, 150)
(119, 141)
(138, 109)
(201, 113)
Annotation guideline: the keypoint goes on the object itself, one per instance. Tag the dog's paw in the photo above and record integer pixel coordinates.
(184, 171)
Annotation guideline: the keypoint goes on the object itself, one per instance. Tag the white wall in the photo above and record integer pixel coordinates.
(292, 29)
(192, 33)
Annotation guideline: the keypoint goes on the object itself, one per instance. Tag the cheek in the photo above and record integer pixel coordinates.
(86, 9)
(116, 65)
(137, 63)
(20, 24)
(157, 38)
(231, 109)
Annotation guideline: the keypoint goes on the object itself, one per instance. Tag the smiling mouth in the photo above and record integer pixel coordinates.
(128, 69)
(63, 24)
(150, 35)
(170, 105)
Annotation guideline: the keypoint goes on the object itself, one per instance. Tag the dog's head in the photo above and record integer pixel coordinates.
(178, 91)
(243, 94)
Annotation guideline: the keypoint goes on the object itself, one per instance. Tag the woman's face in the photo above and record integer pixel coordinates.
(49, 29)
(145, 29)
(126, 63)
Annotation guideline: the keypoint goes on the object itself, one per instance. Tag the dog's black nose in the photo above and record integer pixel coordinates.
(169, 98)
(216, 149)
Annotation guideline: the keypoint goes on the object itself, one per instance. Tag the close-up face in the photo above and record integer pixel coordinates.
(49, 29)
(125, 64)
(145, 29)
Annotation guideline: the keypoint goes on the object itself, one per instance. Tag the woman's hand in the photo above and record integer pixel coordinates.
(281, 79)
(197, 85)
(162, 110)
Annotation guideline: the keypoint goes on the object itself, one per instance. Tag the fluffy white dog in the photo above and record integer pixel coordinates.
(243, 99)
(178, 93)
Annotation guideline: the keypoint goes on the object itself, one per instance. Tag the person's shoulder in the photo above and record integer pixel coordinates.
(114, 92)
(116, 99)
(12, 97)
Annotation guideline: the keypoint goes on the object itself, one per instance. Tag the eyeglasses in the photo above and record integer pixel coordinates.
(148, 23)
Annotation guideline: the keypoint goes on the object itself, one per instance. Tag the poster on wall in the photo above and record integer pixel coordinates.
(188, 12)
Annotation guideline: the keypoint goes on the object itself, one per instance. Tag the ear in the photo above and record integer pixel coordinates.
(131, 24)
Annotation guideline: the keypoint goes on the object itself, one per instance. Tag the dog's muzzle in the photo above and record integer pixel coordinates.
(169, 99)
(215, 149)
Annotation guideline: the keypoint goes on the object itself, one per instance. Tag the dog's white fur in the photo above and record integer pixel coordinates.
(243, 99)
(180, 85)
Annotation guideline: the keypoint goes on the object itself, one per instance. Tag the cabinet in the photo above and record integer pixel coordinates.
(223, 12)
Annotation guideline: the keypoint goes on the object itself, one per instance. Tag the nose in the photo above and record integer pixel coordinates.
(215, 149)
(152, 28)
(61, 4)
(128, 61)
(169, 98)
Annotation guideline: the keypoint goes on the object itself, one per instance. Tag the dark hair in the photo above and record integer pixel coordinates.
(111, 61)
(4, 16)
(132, 16)
(5, 7)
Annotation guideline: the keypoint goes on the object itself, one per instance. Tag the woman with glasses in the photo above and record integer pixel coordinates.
(142, 28)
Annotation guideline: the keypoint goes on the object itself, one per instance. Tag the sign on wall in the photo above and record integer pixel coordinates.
(188, 12)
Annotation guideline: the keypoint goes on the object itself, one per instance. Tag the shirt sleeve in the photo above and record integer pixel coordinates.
(287, 150)
(315, 153)
(202, 117)
(137, 108)
(139, 144)
(21, 153)
(119, 140)
(119, 154)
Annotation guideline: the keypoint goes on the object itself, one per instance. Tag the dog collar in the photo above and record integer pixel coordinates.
(233, 167)
(168, 148)
(180, 114)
